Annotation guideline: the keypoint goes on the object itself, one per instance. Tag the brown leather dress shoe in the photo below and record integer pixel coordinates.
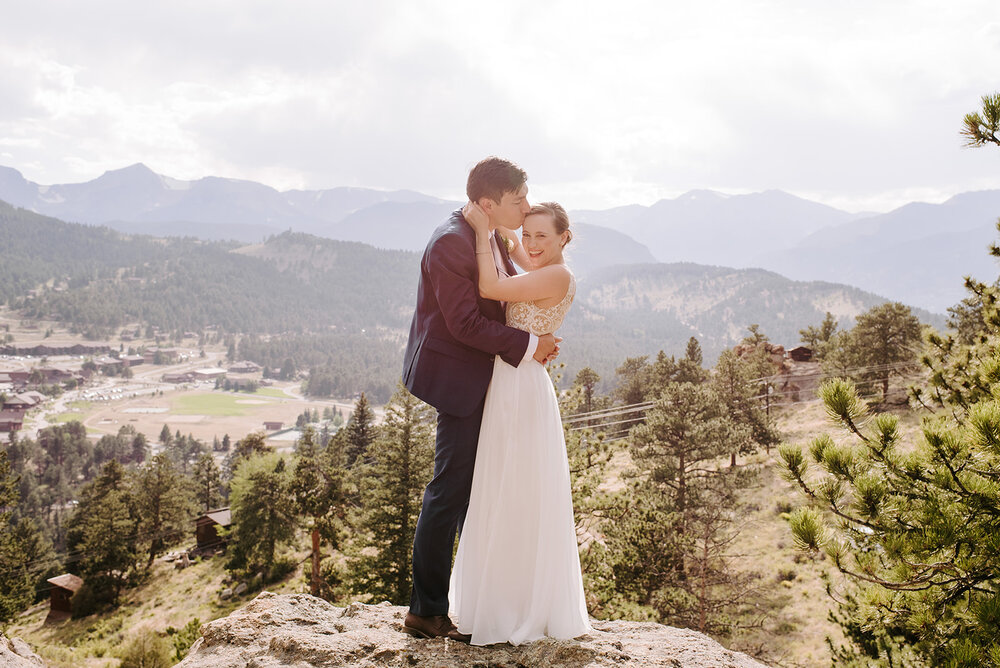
(435, 626)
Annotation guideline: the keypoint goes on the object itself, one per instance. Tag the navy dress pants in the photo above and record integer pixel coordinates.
(446, 500)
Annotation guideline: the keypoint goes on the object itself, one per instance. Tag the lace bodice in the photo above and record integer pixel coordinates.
(530, 317)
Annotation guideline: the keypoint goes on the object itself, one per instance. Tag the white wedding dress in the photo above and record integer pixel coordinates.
(517, 573)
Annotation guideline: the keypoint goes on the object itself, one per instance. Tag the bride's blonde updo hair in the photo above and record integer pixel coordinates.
(559, 217)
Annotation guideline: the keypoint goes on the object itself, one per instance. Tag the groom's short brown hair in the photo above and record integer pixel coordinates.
(492, 177)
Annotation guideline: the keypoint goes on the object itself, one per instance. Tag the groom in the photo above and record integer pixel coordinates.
(454, 337)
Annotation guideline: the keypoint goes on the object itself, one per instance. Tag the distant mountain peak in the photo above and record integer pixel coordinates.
(137, 168)
(702, 194)
(132, 175)
(10, 172)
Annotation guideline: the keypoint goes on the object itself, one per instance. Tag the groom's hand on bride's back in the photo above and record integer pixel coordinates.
(548, 348)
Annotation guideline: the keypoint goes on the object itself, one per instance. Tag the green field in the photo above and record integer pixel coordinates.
(66, 417)
(210, 404)
(271, 392)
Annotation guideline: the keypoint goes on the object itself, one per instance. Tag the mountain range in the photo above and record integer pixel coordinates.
(136, 200)
(917, 254)
(344, 304)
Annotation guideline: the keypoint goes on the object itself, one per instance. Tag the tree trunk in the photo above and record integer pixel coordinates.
(681, 482)
(703, 597)
(314, 582)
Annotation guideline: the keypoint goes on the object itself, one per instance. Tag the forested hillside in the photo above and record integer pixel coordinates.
(35, 249)
(99, 280)
(641, 309)
(342, 308)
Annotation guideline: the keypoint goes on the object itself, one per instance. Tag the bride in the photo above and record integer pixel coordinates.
(517, 573)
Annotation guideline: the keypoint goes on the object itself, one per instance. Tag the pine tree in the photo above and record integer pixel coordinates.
(633, 380)
(884, 342)
(589, 453)
(164, 505)
(165, 436)
(982, 127)
(104, 531)
(15, 578)
(318, 486)
(586, 379)
(263, 514)
(392, 484)
(184, 450)
(250, 445)
(917, 525)
(817, 338)
(360, 431)
(665, 554)
(207, 482)
(689, 369)
(140, 448)
(736, 382)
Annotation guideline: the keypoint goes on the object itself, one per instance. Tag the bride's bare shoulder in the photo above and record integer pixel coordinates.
(557, 272)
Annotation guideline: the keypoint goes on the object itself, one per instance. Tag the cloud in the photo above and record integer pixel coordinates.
(604, 103)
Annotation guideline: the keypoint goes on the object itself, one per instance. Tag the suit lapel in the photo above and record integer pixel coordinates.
(508, 265)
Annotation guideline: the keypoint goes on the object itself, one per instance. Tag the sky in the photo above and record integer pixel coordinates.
(855, 103)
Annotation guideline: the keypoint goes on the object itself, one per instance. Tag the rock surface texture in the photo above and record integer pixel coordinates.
(15, 653)
(297, 630)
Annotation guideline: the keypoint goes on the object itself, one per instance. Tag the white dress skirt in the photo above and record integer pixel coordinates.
(517, 573)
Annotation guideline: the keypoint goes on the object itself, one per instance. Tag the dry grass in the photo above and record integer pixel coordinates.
(798, 636)
(169, 597)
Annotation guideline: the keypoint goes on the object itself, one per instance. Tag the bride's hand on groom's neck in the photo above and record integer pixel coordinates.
(477, 219)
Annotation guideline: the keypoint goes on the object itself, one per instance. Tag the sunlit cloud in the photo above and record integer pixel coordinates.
(855, 104)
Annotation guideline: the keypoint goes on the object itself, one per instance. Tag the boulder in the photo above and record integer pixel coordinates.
(15, 653)
(298, 630)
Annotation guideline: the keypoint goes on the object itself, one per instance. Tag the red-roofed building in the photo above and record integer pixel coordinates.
(11, 421)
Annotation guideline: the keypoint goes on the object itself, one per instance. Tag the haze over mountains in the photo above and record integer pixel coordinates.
(917, 254)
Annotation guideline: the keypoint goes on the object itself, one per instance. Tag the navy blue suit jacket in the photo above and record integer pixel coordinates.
(455, 333)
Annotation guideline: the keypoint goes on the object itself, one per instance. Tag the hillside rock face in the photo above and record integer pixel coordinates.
(298, 630)
(15, 653)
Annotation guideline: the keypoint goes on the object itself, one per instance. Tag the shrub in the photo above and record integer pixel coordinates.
(146, 649)
(185, 637)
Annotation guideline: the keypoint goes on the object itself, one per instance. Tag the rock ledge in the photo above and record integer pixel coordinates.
(15, 653)
(298, 630)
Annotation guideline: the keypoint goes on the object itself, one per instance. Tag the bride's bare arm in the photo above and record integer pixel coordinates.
(543, 283)
(517, 252)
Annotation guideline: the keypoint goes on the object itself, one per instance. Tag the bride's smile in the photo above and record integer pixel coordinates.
(542, 243)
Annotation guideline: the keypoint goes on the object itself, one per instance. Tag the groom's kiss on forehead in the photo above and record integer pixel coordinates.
(510, 211)
(500, 188)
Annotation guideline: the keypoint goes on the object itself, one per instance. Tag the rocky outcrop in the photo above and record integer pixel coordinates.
(15, 653)
(297, 630)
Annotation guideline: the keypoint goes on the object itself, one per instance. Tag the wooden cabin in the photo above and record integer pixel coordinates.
(206, 528)
(801, 354)
(63, 588)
